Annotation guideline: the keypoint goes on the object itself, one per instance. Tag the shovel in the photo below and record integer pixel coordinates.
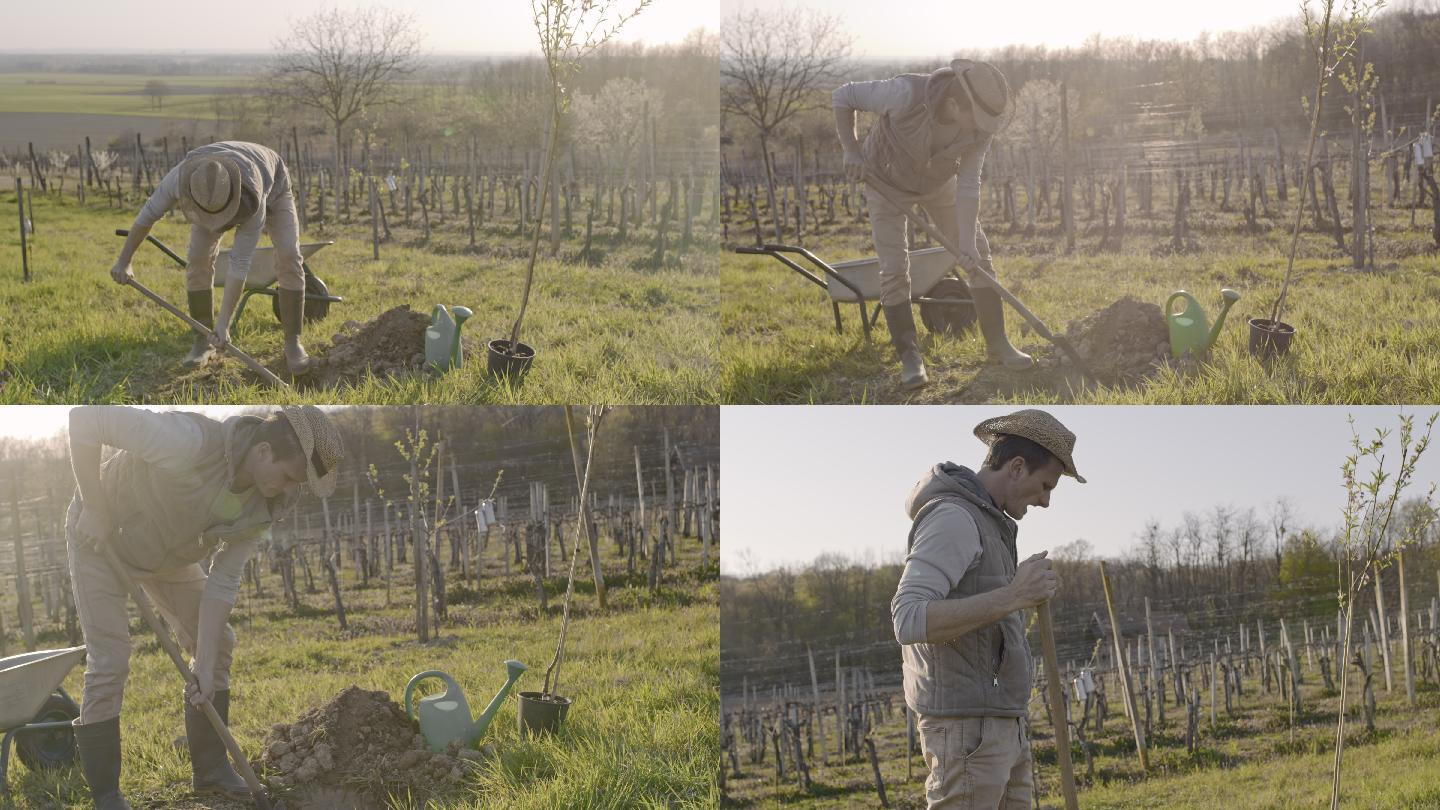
(257, 791)
(1060, 341)
(265, 374)
(1057, 707)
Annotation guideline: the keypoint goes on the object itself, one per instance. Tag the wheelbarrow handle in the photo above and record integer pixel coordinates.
(266, 374)
(167, 643)
(157, 243)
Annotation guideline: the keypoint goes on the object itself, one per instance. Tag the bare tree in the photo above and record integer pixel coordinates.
(774, 65)
(1221, 525)
(343, 62)
(1282, 514)
(156, 90)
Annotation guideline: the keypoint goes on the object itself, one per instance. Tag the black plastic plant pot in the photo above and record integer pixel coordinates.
(504, 363)
(1270, 338)
(541, 713)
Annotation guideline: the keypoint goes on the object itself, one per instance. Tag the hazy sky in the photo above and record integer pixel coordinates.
(801, 481)
(468, 26)
(911, 30)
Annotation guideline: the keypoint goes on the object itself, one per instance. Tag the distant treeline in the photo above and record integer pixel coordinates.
(1236, 83)
(1204, 574)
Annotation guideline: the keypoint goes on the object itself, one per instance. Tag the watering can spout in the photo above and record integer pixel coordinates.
(513, 670)
(1229, 297)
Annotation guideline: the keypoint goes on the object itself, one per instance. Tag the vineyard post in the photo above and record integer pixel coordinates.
(1405, 630)
(24, 246)
(1124, 672)
(1382, 625)
(815, 694)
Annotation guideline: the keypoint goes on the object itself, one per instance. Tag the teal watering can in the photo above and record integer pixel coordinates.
(1189, 333)
(445, 716)
(443, 350)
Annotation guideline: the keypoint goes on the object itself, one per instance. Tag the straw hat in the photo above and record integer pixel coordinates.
(987, 90)
(1037, 426)
(210, 190)
(319, 439)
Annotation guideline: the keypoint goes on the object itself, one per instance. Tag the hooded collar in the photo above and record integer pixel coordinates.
(949, 479)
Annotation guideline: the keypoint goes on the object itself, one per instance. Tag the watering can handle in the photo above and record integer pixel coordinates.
(1189, 300)
(415, 681)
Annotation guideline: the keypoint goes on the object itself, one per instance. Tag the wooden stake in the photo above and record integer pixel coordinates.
(1124, 672)
(1057, 704)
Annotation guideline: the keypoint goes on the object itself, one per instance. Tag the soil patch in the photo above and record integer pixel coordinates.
(1123, 343)
(392, 343)
(359, 746)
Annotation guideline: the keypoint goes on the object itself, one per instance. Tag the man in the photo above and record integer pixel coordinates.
(958, 611)
(181, 486)
(230, 184)
(928, 147)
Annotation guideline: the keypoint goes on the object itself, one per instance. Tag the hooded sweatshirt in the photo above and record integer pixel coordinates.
(960, 545)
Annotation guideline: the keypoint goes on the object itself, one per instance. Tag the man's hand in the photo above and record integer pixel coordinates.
(121, 272)
(220, 337)
(203, 689)
(93, 525)
(1035, 581)
(854, 166)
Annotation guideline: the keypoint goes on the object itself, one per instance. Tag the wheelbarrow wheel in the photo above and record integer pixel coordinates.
(52, 747)
(950, 319)
(315, 308)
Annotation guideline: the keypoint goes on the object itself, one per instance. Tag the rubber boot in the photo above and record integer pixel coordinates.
(99, 746)
(201, 302)
(991, 312)
(901, 321)
(292, 315)
(209, 761)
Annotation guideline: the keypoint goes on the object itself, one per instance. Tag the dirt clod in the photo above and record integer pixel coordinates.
(392, 343)
(361, 744)
(1123, 343)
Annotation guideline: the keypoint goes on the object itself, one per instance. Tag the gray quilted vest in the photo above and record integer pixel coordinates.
(986, 673)
(899, 146)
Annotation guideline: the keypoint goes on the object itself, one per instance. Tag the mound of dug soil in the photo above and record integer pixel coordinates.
(1123, 343)
(392, 343)
(356, 748)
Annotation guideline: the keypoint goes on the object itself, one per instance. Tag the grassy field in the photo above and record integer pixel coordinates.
(1248, 759)
(1363, 337)
(111, 94)
(643, 674)
(618, 331)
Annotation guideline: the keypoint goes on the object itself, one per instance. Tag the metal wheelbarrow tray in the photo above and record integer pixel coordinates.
(261, 278)
(946, 304)
(35, 713)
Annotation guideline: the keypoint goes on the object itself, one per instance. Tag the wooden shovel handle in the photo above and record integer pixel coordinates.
(1057, 707)
(265, 374)
(984, 274)
(167, 643)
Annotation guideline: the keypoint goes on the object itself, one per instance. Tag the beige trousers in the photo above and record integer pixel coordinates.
(976, 762)
(887, 229)
(282, 222)
(101, 602)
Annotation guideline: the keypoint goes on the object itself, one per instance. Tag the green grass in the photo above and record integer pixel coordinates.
(621, 331)
(1363, 337)
(643, 674)
(1248, 759)
(111, 94)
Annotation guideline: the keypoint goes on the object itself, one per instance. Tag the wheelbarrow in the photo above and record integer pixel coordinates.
(261, 278)
(946, 304)
(35, 713)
